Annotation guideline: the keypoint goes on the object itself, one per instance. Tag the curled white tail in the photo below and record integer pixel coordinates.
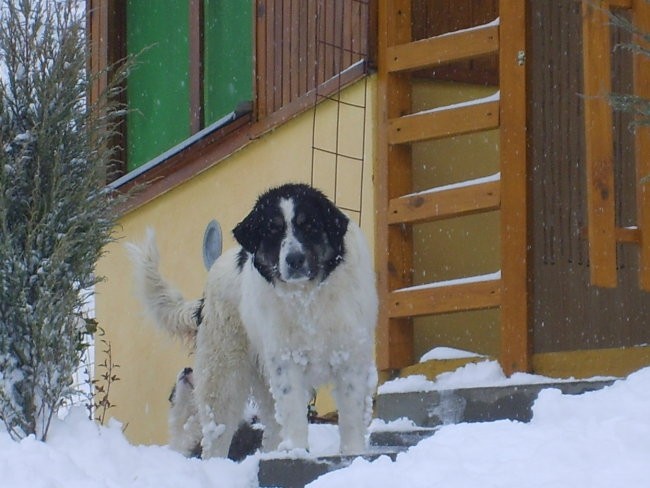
(162, 301)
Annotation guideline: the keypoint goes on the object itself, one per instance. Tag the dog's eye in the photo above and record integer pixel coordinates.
(309, 225)
(301, 219)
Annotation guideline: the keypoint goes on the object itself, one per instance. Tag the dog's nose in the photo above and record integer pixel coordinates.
(295, 260)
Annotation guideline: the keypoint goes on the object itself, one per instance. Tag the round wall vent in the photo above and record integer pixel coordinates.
(212, 243)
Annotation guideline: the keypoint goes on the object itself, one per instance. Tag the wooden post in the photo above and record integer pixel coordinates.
(393, 243)
(98, 27)
(599, 144)
(106, 27)
(515, 329)
(641, 19)
(196, 65)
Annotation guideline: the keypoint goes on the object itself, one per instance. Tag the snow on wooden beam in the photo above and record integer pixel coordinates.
(472, 293)
(444, 122)
(465, 198)
(451, 47)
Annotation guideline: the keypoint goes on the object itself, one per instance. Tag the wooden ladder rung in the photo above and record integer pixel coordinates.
(435, 51)
(444, 122)
(456, 296)
(482, 196)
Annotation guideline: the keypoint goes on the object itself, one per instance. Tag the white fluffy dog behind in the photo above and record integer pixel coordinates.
(184, 426)
(225, 373)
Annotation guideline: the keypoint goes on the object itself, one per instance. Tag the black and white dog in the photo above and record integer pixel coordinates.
(290, 310)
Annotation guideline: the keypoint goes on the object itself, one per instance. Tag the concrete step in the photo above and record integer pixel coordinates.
(428, 411)
(399, 439)
(287, 472)
(480, 404)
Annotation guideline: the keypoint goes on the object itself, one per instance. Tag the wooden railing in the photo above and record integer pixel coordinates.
(603, 232)
(398, 208)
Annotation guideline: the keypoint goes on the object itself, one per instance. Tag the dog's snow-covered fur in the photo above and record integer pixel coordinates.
(292, 309)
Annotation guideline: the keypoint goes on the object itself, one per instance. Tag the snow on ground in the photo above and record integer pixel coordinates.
(599, 439)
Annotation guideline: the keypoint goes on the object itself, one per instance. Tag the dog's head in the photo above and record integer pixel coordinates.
(183, 387)
(294, 233)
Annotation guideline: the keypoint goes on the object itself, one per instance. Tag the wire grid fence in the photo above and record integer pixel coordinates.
(340, 156)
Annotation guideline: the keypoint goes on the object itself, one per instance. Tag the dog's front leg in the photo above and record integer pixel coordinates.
(286, 378)
(352, 392)
(266, 411)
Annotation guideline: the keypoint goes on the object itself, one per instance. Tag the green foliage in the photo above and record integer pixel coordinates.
(56, 214)
(630, 103)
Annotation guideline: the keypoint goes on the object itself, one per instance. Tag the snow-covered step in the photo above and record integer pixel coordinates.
(450, 47)
(409, 417)
(474, 404)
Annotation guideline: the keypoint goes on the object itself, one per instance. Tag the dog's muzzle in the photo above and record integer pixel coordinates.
(296, 267)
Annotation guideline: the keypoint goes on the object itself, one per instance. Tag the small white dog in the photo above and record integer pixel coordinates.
(292, 309)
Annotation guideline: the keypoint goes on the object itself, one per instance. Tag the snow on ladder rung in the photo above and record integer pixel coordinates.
(464, 198)
(446, 48)
(451, 120)
(472, 293)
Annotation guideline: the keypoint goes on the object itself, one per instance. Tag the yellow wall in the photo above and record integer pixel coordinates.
(458, 247)
(148, 360)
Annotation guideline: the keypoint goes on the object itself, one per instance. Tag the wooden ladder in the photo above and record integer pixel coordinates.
(398, 208)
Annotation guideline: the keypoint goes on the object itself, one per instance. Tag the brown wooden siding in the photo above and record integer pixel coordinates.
(568, 313)
(432, 18)
(300, 45)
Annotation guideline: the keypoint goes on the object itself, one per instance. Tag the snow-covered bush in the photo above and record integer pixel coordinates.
(55, 212)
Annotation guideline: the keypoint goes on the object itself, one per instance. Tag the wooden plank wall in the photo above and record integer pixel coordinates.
(568, 313)
(439, 17)
(300, 45)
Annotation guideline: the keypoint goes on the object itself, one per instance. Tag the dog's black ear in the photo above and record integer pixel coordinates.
(248, 231)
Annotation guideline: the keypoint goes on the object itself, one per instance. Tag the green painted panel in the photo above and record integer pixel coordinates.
(228, 56)
(158, 86)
